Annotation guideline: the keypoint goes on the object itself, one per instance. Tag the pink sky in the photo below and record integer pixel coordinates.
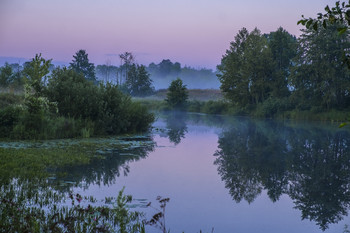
(193, 32)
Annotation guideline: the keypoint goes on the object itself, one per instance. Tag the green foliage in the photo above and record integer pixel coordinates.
(165, 68)
(35, 197)
(75, 96)
(138, 82)
(81, 64)
(33, 119)
(215, 107)
(273, 106)
(166, 71)
(246, 69)
(9, 117)
(195, 106)
(16, 80)
(33, 191)
(6, 75)
(339, 15)
(36, 73)
(7, 99)
(19, 216)
(318, 78)
(283, 48)
(105, 105)
(268, 75)
(177, 94)
(68, 106)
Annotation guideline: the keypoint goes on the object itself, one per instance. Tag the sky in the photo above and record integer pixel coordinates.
(195, 33)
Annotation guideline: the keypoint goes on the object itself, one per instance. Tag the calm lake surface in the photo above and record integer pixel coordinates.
(242, 175)
(230, 174)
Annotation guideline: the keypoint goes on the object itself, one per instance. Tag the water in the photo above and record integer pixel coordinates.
(229, 174)
(241, 175)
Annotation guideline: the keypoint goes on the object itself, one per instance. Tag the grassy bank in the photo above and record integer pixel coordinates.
(212, 102)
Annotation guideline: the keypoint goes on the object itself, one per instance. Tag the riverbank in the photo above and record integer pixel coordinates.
(211, 101)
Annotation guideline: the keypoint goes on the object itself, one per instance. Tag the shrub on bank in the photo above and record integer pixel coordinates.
(70, 106)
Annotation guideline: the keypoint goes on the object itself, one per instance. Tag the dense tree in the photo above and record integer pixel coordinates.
(6, 75)
(36, 73)
(37, 106)
(318, 78)
(283, 48)
(17, 78)
(246, 69)
(81, 64)
(110, 110)
(166, 67)
(338, 15)
(75, 96)
(138, 81)
(166, 71)
(69, 106)
(177, 94)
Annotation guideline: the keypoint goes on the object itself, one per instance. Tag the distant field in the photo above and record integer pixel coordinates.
(194, 94)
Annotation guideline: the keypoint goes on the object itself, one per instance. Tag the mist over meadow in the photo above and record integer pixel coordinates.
(166, 71)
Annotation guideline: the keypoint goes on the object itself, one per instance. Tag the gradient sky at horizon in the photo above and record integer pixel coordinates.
(195, 33)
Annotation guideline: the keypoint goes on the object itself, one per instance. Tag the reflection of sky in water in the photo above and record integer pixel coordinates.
(198, 197)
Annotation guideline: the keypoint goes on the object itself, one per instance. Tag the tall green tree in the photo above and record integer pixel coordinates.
(138, 81)
(6, 75)
(246, 69)
(81, 64)
(283, 47)
(37, 106)
(319, 78)
(177, 94)
(36, 73)
(75, 96)
(338, 15)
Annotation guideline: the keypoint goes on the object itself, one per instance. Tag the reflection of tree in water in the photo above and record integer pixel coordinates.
(312, 166)
(35, 182)
(107, 161)
(111, 162)
(176, 126)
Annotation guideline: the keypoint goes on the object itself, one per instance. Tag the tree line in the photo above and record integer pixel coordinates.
(277, 72)
(132, 79)
(67, 102)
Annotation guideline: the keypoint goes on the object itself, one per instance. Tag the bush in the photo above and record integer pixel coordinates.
(9, 117)
(7, 99)
(272, 106)
(195, 106)
(111, 111)
(215, 107)
(71, 106)
(75, 96)
(177, 94)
